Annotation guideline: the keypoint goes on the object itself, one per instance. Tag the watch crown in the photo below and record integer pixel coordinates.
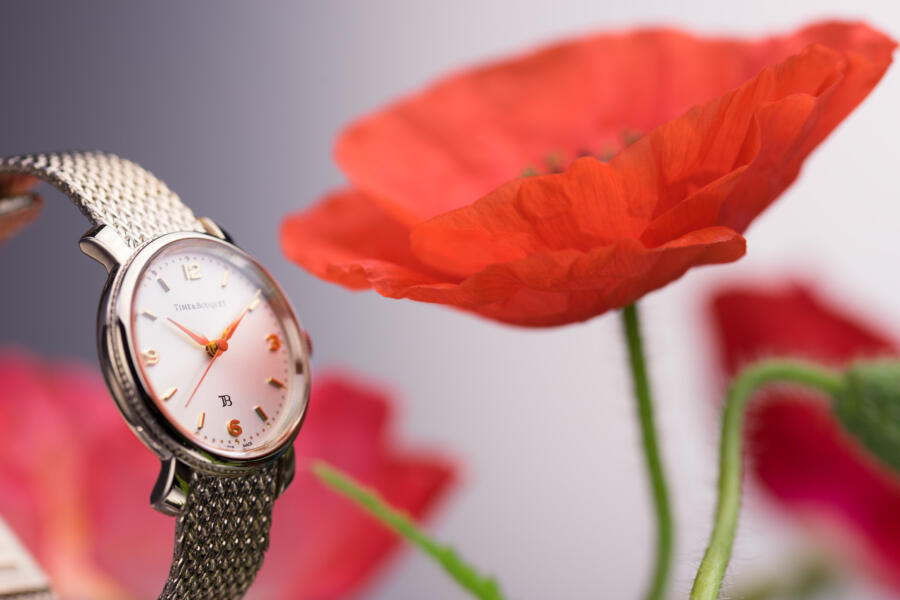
(308, 341)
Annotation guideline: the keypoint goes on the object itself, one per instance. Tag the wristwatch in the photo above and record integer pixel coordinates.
(203, 356)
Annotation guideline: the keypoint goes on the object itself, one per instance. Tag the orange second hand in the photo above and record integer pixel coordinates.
(228, 333)
(202, 377)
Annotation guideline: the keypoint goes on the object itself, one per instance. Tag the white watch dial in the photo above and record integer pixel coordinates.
(212, 343)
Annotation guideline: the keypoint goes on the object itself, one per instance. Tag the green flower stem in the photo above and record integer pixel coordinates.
(664, 535)
(712, 569)
(479, 586)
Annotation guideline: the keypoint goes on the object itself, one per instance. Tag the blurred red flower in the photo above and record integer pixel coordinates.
(74, 484)
(17, 207)
(799, 452)
(438, 211)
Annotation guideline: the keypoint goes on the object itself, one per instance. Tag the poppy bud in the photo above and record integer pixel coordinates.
(869, 408)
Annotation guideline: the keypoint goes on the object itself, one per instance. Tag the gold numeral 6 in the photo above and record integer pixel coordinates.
(234, 427)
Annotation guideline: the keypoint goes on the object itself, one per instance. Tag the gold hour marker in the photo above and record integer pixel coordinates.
(201, 418)
(151, 357)
(275, 383)
(191, 271)
(274, 342)
(169, 394)
(162, 283)
(234, 427)
(148, 314)
(224, 277)
(255, 302)
(261, 413)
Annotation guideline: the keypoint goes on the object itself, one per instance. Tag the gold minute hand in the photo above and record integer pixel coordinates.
(229, 331)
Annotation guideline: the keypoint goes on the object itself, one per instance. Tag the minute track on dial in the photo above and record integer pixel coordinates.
(208, 369)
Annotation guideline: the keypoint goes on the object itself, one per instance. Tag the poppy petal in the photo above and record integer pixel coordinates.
(454, 142)
(438, 214)
(763, 126)
(567, 286)
(349, 425)
(349, 240)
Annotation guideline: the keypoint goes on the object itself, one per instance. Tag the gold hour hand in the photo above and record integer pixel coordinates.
(197, 337)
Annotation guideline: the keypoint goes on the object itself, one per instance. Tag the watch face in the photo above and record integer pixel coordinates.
(218, 348)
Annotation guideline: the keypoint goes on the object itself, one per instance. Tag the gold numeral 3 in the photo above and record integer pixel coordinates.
(274, 342)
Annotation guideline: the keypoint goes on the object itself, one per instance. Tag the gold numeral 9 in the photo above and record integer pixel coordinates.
(151, 357)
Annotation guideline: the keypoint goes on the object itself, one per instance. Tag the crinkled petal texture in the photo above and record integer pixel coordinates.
(74, 485)
(799, 452)
(437, 214)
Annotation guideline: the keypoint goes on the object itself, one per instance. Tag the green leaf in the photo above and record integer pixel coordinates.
(869, 408)
(484, 588)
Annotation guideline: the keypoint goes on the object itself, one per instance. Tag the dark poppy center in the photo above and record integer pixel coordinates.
(557, 161)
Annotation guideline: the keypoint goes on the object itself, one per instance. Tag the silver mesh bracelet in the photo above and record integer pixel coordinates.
(222, 535)
(222, 532)
(110, 191)
(20, 577)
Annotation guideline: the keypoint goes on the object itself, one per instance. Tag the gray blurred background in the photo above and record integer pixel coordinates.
(236, 104)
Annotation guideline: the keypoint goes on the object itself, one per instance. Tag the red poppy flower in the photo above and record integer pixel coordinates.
(74, 484)
(799, 452)
(438, 211)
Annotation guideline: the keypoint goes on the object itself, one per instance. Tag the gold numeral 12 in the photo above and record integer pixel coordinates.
(191, 271)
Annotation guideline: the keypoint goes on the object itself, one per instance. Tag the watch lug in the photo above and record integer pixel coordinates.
(169, 493)
(105, 246)
(286, 472)
(214, 230)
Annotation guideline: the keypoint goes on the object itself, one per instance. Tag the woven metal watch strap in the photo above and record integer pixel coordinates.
(20, 576)
(110, 191)
(221, 535)
(222, 532)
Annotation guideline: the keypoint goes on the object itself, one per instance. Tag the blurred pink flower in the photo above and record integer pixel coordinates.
(75, 482)
(798, 451)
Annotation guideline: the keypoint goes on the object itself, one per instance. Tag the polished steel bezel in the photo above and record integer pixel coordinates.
(125, 379)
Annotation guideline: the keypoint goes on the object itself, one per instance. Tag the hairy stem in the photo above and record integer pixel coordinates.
(712, 569)
(664, 535)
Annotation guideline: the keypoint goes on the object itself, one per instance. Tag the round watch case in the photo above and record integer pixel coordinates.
(125, 381)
